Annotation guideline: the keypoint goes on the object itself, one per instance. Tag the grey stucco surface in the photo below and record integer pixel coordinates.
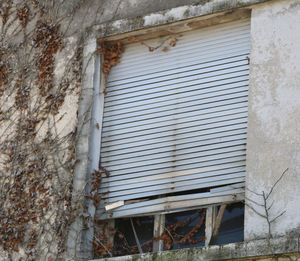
(274, 112)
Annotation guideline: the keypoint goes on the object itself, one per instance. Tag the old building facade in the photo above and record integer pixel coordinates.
(119, 117)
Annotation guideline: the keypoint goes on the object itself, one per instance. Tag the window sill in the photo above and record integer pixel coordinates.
(256, 248)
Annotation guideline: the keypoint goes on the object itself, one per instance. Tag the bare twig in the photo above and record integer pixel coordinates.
(278, 180)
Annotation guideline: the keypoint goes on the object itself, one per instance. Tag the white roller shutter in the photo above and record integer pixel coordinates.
(176, 121)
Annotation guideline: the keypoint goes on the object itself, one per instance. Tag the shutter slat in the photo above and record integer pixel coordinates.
(142, 194)
(144, 186)
(223, 136)
(231, 140)
(149, 149)
(190, 90)
(189, 157)
(219, 102)
(172, 187)
(164, 178)
(123, 91)
(117, 87)
(212, 52)
(231, 120)
(203, 167)
(180, 84)
(179, 141)
(161, 168)
(187, 97)
(240, 111)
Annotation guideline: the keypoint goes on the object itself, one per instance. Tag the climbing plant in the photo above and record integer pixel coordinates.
(40, 79)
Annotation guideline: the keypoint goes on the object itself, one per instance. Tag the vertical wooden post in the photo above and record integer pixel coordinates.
(159, 226)
(211, 215)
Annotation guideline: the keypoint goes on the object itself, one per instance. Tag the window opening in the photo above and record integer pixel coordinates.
(232, 225)
(173, 142)
(185, 229)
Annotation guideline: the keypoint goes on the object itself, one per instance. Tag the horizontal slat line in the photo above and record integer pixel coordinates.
(161, 86)
(180, 128)
(233, 137)
(168, 141)
(118, 88)
(213, 165)
(225, 132)
(166, 131)
(240, 42)
(207, 103)
(204, 96)
(174, 186)
(170, 176)
(191, 38)
(174, 206)
(174, 122)
(205, 58)
(122, 87)
(177, 84)
(165, 191)
(173, 64)
(184, 148)
(173, 160)
(188, 163)
(187, 142)
(162, 103)
(227, 103)
(203, 100)
(222, 31)
(141, 85)
(179, 103)
(170, 187)
(193, 90)
(206, 125)
(171, 181)
(180, 90)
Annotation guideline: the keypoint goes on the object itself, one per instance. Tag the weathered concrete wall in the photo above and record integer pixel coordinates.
(274, 113)
(284, 248)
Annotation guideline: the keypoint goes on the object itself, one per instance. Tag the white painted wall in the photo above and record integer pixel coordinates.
(274, 115)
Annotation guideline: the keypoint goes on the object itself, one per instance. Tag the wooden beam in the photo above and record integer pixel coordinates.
(210, 221)
(159, 226)
(213, 239)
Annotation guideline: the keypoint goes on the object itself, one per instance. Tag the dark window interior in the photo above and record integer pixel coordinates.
(187, 229)
(182, 230)
(232, 226)
(124, 239)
